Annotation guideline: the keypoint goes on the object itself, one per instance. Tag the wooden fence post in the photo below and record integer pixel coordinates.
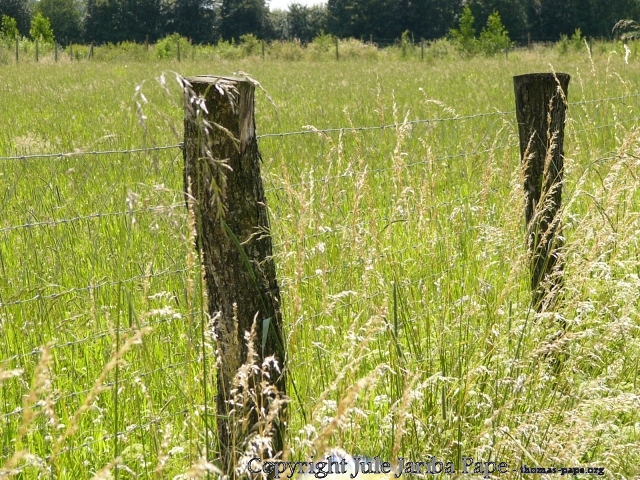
(422, 49)
(17, 45)
(178, 45)
(36, 49)
(55, 51)
(222, 172)
(541, 103)
(337, 52)
(71, 51)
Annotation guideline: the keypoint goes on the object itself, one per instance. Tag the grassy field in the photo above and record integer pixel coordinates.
(400, 253)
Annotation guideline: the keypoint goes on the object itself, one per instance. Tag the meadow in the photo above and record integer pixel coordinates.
(400, 253)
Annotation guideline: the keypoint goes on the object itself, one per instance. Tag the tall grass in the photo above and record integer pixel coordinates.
(401, 255)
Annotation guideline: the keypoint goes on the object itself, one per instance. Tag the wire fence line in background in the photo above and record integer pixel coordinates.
(86, 288)
(79, 153)
(309, 131)
(62, 221)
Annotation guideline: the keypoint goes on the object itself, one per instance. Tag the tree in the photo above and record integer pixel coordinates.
(305, 23)
(429, 19)
(388, 19)
(140, 20)
(465, 35)
(494, 37)
(277, 26)
(362, 18)
(9, 29)
(18, 10)
(239, 17)
(513, 15)
(194, 19)
(123, 20)
(64, 16)
(103, 21)
(41, 28)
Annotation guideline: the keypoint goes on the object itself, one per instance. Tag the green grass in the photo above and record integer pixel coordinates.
(400, 253)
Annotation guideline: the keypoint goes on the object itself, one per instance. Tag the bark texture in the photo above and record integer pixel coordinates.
(541, 103)
(222, 171)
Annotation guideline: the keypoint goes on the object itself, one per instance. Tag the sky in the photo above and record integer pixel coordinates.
(284, 4)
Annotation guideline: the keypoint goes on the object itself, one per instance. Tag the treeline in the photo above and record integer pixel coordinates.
(208, 21)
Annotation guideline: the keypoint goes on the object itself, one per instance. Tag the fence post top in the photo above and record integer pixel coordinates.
(541, 76)
(213, 79)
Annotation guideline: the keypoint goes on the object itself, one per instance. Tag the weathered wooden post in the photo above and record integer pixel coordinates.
(222, 172)
(263, 50)
(541, 104)
(36, 49)
(55, 51)
(90, 56)
(17, 45)
(178, 46)
(71, 51)
(337, 52)
(422, 49)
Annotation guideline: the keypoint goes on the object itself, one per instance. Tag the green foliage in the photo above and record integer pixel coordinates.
(563, 45)
(406, 43)
(9, 28)
(241, 17)
(20, 10)
(465, 35)
(41, 28)
(168, 46)
(228, 50)
(194, 19)
(64, 16)
(324, 42)
(494, 37)
(250, 45)
(577, 40)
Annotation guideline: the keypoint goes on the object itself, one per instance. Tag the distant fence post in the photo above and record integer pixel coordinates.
(337, 52)
(90, 56)
(541, 103)
(71, 51)
(55, 51)
(222, 172)
(178, 45)
(422, 49)
(17, 49)
(36, 49)
(262, 49)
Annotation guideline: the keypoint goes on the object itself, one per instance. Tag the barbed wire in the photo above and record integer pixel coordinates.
(311, 130)
(51, 223)
(80, 153)
(92, 287)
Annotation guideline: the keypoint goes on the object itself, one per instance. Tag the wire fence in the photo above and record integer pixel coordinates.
(95, 245)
